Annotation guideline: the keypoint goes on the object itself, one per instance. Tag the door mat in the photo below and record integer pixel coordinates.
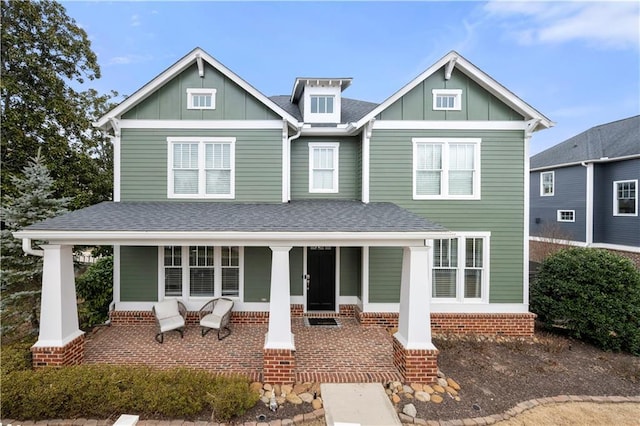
(322, 322)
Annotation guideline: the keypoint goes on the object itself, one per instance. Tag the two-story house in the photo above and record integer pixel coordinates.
(584, 191)
(410, 213)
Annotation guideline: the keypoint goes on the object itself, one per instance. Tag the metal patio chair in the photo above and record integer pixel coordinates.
(216, 315)
(170, 315)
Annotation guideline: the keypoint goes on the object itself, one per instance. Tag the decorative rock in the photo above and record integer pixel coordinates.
(410, 410)
(442, 382)
(293, 398)
(440, 374)
(255, 387)
(417, 387)
(388, 392)
(395, 398)
(457, 398)
(407, 395)
(396, 385)
(451, 390)
(264, 399)
(267, 387)
(436, 398)
(316, 403)
(438, 388)
(300, 388)
(453, 384)
(428, 389)
(422, 396)
(280, 400)
(306, 397)
(286, 389)
(407, 389)
(315, 389)
(276, 389)
(268, 394)
(405, 419)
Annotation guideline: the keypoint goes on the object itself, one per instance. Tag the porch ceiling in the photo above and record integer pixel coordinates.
(317, 222)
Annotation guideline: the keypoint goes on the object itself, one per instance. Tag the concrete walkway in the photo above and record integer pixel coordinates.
(357, 404)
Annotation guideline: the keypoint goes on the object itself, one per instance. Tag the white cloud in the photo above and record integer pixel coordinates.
(135, 20)
(600, 24)
(129, 59)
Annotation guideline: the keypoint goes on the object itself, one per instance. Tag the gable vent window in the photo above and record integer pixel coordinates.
(201, 98)
(322, 104)
(447, 99)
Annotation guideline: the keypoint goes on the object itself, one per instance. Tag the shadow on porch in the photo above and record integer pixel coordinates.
(349, 353)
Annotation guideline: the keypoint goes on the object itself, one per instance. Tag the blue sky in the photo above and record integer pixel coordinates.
(576, 62)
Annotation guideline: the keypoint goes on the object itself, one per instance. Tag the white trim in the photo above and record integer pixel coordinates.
(116, 274)
(475, 74)
(457, 100)
(618, 247)
(192, 92)
(202, 142)
(583, 162)
(589, 203)
(365, 278)
(335, 147)
(449, 125)
(444, 181)
(202, 124)
(526, 217)
(117, 159)
(286, 162)
(329, 91)
(179, 67)
(454, 308)
(559, 213)
(366, 168)
(347, 300)
(615, 198)
(553, 184)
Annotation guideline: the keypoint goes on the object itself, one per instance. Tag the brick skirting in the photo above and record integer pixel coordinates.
(70, 354)
(514, 325)
(415, 365)
(278, 366)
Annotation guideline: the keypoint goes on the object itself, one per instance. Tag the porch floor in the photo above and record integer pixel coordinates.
(349, 353)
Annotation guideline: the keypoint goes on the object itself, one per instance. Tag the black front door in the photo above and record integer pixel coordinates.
(321, 278)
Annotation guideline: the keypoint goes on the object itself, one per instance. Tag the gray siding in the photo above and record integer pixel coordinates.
(138, 274)
(258, 160)
(610, 229)
(349, 182)
(569, 194)
(350, 274)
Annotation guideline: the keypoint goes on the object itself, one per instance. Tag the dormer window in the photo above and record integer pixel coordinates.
(201, 98)
(321, 104)
(447, 99)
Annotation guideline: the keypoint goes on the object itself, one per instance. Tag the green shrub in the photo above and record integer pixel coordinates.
(102, 391)
(95, 289)
(593, 294)
(15, 357)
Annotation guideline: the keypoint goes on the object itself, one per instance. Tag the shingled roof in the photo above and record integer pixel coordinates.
(612, 140)
(296, 216)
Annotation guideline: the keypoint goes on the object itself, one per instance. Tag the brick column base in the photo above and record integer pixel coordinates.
(278, 366)
(415, 365)
(70, 354)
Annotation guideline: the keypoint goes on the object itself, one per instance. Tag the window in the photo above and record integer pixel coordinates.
(201, 271)
(446, 168)
(447, 99)
(547, 180)
(323, 167)
(566, 215)
(625, 198)
(459, 269)
(201, 167)
(321, 104)
(201, 98)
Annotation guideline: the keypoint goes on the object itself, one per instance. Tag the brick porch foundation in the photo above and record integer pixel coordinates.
(415, 365)
(278, 366)
(70, 354)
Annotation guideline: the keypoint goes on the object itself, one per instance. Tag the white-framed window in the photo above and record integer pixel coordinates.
(625, 198)
(460, 269)
(446, 168)
(321, 104)
(201, 167)
(323, 167)
(447, 99)
(201, 272)
(566, 215)
(547, 184)
(201, 98)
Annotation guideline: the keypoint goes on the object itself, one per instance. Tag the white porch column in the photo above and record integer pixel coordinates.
(59, 309)
(414, 321)
(279, 335)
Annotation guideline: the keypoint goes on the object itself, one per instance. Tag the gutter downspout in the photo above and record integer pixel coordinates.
(115, 124)
(588, 234)
(287, 173)
(26, 247)
(366, 138)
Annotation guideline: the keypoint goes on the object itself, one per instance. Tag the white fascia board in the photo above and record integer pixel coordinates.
(154, 238)
(579, 163)
(201, 124)
(448, 125)
(483, 79)
(176, 69)
(341, 130)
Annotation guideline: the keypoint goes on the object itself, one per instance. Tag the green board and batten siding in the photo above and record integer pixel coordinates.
(258, 161)
(170, 101)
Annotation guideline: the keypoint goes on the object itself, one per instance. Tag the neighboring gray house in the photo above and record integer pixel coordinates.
(584, 191)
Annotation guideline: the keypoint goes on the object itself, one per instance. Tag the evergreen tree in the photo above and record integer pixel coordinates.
(21, 280)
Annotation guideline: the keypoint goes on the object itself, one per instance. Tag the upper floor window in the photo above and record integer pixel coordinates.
(446, 168)
(201, 98)
(201, 167)
(547, 183)
(321, 104)
(323, 167)
(447, 99)
(566, 215)
(460, 268)
(625, 198)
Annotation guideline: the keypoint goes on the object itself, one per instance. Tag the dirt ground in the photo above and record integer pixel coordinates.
(578, 413)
